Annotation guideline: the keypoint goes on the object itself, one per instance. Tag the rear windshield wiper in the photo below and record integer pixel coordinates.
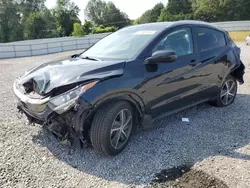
(90, 58)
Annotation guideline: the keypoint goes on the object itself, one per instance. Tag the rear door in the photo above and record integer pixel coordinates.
(215, 58)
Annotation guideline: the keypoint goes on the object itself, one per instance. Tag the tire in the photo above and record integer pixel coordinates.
(104, 133)
(227, 93)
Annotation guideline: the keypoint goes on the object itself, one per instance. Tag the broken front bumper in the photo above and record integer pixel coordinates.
(67, 125)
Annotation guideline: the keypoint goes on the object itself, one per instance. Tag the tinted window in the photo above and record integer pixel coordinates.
(179, 41)
(209, 39)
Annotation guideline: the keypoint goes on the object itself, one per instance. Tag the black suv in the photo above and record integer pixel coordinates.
(128, 79)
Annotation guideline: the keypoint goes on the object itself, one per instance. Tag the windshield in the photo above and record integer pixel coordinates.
(123, 44)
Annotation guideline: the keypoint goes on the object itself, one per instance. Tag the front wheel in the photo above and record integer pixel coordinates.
(111, 128)
(227, 93)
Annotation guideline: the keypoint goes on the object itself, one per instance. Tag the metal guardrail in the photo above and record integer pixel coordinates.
(36, 47)
(234, 25)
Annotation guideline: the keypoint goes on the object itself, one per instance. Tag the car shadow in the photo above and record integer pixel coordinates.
(211, 131)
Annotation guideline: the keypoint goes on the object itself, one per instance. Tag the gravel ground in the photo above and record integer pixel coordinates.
(216, 142)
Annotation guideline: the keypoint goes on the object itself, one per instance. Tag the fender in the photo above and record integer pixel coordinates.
(145, 120)
(238, 72)
(237, 69)
(128, 96)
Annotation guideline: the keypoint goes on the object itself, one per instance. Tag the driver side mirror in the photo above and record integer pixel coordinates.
(162, 56)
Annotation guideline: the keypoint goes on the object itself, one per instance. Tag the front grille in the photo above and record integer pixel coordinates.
(36, 108)
(28, 103)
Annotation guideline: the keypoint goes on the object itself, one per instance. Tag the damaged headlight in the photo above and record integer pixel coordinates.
(67, 100)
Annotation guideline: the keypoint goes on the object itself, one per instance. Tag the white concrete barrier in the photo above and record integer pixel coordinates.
(47, 46)
(234, 26)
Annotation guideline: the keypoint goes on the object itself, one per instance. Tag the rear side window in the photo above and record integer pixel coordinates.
(209, 39)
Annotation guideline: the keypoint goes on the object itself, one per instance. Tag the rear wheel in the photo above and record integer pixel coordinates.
(227, 93)
(111, 128)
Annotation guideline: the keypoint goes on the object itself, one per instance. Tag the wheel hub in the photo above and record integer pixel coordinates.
(228, 92)
(121, 129)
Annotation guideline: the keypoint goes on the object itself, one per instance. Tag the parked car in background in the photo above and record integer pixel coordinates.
(248, 40)
(130, 78)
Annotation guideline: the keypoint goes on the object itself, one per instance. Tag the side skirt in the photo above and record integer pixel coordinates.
(147, 121)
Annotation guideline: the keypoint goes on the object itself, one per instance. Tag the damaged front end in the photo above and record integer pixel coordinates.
(51, 94)
(64, 115)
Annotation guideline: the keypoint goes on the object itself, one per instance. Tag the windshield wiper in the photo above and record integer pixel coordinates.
(90, 58)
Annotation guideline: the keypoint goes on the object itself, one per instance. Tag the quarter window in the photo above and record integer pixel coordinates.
(209, 39)
(179, 41)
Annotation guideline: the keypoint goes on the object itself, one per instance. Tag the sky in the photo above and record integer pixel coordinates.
(133, 8)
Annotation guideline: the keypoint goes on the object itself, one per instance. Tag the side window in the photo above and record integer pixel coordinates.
(209, 39)
(179, 41)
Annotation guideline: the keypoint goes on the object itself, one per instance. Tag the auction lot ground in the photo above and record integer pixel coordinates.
(216, 142)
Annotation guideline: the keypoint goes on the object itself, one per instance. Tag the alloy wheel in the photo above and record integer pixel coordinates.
(228, 92)
(121, 129)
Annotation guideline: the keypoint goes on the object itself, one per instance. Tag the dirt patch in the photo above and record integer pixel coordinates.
(185, 177)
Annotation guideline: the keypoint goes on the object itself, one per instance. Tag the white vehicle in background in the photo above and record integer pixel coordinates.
(248, 40)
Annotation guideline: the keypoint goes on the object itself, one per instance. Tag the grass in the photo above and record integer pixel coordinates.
(239, 35)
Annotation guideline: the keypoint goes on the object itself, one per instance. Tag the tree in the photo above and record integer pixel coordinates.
(10, 27)
(236, 9)
(94, 11)
(176, 10)
(221, 10)
(50, 27)
(176, 7)
(88, 27)
(113, 16)
(156, 12)
(208, 10)
(102, 29)
(35, 26)
(145, 18)
(163, 16)
(151, 15)
(78, 30)
(106, 14)
(66, 14)
(28, 6)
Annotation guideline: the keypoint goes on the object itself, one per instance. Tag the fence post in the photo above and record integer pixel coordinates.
(47, 48)
(14, 50)
(62, 46)
(31, 50)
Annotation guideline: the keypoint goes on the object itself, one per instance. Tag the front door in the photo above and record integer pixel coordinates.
(170, 86)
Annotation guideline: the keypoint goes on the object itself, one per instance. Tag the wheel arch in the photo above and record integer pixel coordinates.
(238, 73)
(132, 98)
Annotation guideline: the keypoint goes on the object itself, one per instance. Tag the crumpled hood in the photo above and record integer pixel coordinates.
(48, 76)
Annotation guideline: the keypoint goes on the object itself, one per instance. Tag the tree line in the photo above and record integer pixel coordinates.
(204, 10)
(31, 19)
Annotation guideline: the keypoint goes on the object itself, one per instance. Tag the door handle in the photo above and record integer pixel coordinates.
(194, 63)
